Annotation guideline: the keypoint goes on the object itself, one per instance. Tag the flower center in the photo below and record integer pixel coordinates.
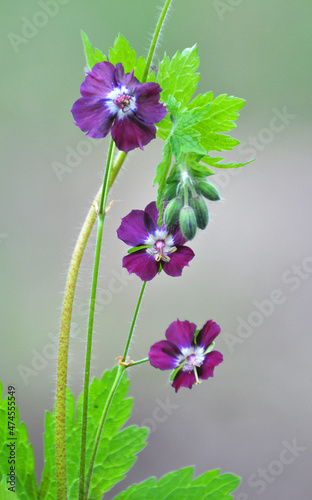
(120, 101)
(123, 101)
(191, 358)
(161, 245)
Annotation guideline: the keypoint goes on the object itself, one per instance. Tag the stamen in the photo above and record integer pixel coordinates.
(123, 101)
(196, 376)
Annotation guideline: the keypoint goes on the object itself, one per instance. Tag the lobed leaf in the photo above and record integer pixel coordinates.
(219, 118)
(93, 55)
(177, 77)
(214, 161)
(122, 53)
(117, 449)
(162, 171)
(179, 485)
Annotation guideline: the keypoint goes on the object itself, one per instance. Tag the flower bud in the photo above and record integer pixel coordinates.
(170, 191)
(201, 211)
(209, 191)
(188, 222)
(172, 211)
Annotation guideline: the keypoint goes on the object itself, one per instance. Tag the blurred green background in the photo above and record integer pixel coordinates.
(258, 239)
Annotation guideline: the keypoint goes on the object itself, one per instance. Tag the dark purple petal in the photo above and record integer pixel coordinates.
(132, 229)
(208, 333)
(181, 333)
(99, 81)
(149, 109)
(183, 379)
(177, 235)
(93, 117)
(130, 133)
(164, 355)
(142, 264)
(130, 81)
(152, 211)
(178, 260)
(213, 358)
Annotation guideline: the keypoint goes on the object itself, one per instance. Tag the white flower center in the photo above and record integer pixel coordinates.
(191, 358)
(162, 244)
(120, 101)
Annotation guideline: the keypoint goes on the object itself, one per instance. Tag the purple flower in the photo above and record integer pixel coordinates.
(155, 248)
(113, 100)
(188, 352)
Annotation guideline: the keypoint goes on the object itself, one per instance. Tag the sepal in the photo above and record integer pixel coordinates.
(172, 211)
(188, 223)
(201, 211)
(208, 190)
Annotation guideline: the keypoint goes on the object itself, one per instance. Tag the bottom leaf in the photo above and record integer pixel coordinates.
(179, 485)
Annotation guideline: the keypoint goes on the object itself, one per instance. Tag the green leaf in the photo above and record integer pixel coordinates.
(16, 448)
(177, 77)
(197, 169)
(136, 249)
(117, 449)
(185, 137)
(92, 54)
(124, 54)
(162, 171)
(179, 485)
(215, 162)
(219, 118)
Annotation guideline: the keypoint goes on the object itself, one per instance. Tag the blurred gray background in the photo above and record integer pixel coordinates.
(253, 265)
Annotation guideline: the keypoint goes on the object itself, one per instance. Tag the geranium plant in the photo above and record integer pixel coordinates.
(87, 449)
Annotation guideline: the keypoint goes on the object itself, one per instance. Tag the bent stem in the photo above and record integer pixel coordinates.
(101, 219)
(60, 406)
(122, 366)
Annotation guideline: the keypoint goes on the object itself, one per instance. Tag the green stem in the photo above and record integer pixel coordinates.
(139, 362)
(133, 322)
(122, 366)
(60, 406)
(155, 39)
(101, 218)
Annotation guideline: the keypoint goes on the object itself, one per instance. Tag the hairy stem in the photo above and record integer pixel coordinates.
(60, 407)
(101, 219)
(155, 38)
(121, 368)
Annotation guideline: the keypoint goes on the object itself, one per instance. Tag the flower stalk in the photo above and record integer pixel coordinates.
(60, 407)
(101, 218)
(122, 366)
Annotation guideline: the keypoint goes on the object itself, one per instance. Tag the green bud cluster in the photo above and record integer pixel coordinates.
(185, 194)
